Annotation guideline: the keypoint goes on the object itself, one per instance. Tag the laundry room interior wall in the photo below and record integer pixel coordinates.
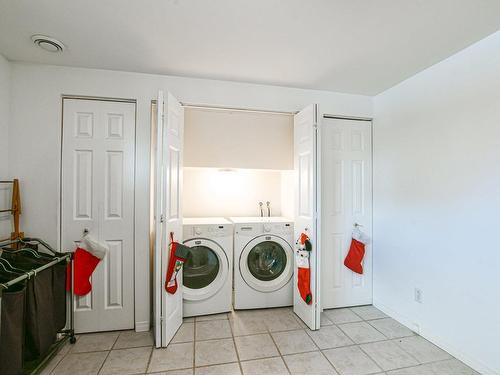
(234, 159)
(231, 192)
(436, 203)
(219, 138)
(5, 190)
(35, 148)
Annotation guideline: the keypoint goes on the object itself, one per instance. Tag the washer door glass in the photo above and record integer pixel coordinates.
(201, 267)
(267, 260)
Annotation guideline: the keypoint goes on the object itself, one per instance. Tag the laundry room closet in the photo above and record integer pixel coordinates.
(237, 204)
(250, 199)
(225, 197)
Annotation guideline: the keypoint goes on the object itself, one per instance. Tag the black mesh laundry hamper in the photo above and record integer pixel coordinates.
(12, 329)
(59, 292)
(58, 284)
(40, 331)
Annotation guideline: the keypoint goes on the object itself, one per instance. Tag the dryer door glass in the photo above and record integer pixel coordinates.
(201, 267)
(267, 260)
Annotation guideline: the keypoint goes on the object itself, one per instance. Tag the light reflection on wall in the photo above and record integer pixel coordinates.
(230, 192)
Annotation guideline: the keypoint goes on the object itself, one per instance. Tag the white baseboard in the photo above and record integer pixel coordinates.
(142, 326)
(437, 340)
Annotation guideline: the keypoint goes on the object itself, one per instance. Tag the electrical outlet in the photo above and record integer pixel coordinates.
(419, 295)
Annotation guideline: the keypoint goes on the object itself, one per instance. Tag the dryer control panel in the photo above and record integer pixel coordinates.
(207, 231)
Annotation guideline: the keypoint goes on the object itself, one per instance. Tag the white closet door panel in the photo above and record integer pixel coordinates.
(347, 199)
(173, 161)
(168, 213)
(306, 207)
(98, 195)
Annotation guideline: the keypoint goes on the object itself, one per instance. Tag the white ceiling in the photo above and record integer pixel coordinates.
(352, 46)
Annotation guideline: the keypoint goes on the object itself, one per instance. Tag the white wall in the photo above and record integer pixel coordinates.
(34, 135)
(437, 203)
(237, 192)
(5, 190)
(238, 139)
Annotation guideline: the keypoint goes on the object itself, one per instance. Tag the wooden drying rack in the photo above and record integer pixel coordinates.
(15, 209)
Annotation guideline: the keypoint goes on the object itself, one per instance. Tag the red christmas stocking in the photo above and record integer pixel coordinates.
(84, 264)
(303, 268)
(355, 256)
(304, 284)
(178, 255)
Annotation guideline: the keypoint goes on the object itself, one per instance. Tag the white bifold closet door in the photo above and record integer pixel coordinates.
(307, 215)
(346, 200)
(97, 194)
(168, 213)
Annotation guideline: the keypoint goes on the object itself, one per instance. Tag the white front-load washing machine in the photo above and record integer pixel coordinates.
(263, 262)
(208, 270)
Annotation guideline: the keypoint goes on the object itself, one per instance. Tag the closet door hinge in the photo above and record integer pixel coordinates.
(162, 218)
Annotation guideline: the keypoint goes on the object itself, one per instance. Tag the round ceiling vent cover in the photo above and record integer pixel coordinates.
(48, 43)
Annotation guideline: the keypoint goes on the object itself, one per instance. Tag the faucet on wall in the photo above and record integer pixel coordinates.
(261, 210)
(268, 204)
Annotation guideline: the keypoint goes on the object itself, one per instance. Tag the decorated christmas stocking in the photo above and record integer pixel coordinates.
(303, 268)
(85, 260)
(178, 255)
(354, 258)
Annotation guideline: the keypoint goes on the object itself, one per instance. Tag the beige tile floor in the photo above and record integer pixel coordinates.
(352, 341)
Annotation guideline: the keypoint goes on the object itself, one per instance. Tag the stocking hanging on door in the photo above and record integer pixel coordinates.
(354, 258)
(85, 260)
(303, 253)
(177, 257)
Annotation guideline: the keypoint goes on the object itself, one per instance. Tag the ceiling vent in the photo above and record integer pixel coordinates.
(48, 43)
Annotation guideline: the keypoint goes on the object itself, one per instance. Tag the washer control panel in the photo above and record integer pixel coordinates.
(256, 229)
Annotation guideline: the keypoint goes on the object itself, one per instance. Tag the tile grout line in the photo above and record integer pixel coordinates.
(361, 343)
(331, 363)
(63, 357)
(279, 351)
(57, 364)
(107, 356)
(383, 334)
(114, 344)
(378, 364)
(319, 349)
(150, 358)
(235, 347)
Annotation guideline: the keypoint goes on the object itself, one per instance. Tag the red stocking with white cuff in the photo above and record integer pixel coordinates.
(85, 260)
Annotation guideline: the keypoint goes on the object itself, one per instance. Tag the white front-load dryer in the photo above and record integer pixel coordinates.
(263, 262)
(208, 270)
